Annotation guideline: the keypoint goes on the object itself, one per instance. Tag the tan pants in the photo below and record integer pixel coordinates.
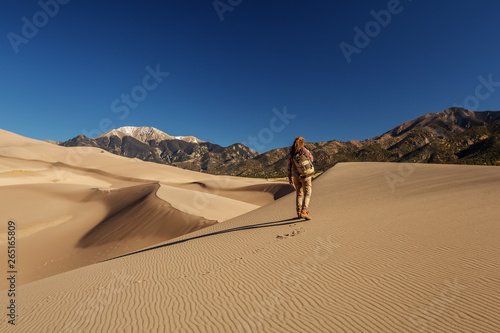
(303, 190)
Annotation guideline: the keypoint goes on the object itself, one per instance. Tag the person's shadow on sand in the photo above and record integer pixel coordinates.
(246, 227)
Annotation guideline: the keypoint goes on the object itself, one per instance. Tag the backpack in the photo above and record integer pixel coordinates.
(304, 166)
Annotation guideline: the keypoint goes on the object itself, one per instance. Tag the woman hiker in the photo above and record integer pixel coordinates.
(301, 168)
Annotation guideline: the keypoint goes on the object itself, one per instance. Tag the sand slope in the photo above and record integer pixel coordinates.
(391, 248)
(78, 206)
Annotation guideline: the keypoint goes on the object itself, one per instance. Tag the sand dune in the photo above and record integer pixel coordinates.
(78, 206)
(152, 218)
(391, 248)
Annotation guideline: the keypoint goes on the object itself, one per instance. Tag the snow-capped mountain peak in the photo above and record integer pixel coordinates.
(146, 134)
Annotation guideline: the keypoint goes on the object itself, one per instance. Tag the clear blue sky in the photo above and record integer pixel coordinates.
(226, 76)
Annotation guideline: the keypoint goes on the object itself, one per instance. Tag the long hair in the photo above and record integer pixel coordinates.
(297, 146)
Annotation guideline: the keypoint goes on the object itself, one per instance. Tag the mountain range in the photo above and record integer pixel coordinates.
(151, 144)
(455, 135)
(146, 134)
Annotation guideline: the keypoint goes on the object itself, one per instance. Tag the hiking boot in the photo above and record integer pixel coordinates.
(299, 215)
(305, 214)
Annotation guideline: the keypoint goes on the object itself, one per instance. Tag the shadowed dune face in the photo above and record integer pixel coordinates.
(63, 226)
(136, 213)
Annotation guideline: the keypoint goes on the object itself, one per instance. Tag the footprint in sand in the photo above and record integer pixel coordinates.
(294, 232)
